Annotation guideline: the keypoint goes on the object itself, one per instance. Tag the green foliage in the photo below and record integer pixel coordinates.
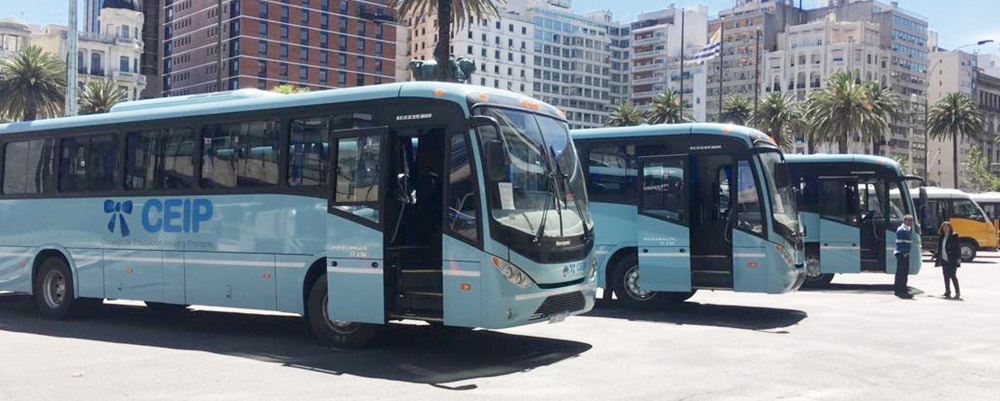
(626, 115)
(978, 174)
(667, 109)
(954, 116)
(448, 12)
(777, 115)
(736, 110)
(848, 108)
(32, 85)
(99, 96)
(287, 89)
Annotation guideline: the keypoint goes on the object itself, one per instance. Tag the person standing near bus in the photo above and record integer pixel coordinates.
(949, 257)
(903, 240)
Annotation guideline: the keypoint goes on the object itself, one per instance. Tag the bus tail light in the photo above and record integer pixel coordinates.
(512, 273)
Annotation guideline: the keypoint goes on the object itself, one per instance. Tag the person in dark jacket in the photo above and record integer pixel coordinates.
(949, 257)
(903, 238)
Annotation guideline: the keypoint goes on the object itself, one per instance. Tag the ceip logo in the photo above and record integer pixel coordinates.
(169, 215)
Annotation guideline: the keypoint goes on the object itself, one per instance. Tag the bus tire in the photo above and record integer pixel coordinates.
(821, 280)
(968, 249)
(626, 285)
(330, 333)
(53, 290)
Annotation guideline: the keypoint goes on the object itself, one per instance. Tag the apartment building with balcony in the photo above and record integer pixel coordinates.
(14, 36)
(657, 44)
(113, 53)
(808, 54)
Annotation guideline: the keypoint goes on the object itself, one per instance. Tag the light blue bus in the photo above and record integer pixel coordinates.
(451, 204)
(851, 206)
(691, 206)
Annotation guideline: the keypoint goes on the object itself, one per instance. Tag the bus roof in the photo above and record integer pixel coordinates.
(749, 135)
(844, 158)
(942, 193)
(986, 197)
(253, 99)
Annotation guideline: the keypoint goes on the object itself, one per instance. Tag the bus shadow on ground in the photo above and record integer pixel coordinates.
(408, 353)
(698, 314)
(860, 289)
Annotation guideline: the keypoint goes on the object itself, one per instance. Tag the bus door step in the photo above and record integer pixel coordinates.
(711, 279)
(427, 317)
(420, 280)
(419, 301)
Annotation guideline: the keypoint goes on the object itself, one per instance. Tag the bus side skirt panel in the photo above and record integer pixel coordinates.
(750, 263)
(15, 268)
(462, 283)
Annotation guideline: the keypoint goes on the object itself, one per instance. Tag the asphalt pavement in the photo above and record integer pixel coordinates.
(852, 341)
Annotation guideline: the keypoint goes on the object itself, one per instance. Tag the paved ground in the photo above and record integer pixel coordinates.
(854, 341)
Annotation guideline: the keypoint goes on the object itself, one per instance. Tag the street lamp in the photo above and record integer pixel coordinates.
(927, 99)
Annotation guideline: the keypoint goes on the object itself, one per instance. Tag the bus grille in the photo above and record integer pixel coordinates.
(556, 304)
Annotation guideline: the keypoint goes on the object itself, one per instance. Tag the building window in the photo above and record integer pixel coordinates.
(123, 64)
(304, 36)
(284, 51)
(303, 73)
(304, 54)
(341, 78)
(342, 60)
(125, 31)
(361, 45)
(263, 28)
(284, 13)
(284, 32)
(342, 43)
(262, 48)
(360, 63)
(322, 76)
(324, 57)
(305, 16)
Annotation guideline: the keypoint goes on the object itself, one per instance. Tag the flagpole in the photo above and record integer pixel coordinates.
(70, 109)
(682, 61)
(722, 56)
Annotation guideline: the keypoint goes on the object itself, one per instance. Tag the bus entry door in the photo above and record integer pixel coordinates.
(664, 216)
(355, 225)
(839, 236)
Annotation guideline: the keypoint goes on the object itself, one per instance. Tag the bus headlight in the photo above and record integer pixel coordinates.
(512, 273)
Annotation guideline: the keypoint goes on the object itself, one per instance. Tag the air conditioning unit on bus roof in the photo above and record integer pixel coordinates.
(187, 100)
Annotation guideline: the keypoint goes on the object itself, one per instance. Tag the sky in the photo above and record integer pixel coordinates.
(961, 23)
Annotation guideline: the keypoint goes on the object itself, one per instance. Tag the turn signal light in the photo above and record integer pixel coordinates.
(465, 286)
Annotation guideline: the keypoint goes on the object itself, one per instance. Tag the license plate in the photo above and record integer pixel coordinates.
(558, 317)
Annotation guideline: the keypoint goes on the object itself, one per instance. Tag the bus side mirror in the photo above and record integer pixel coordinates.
(495, 160)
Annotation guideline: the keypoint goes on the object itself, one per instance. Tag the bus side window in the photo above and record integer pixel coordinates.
(29, 167)
(839, 201)
(463, 202)
(964, 208)
(724, 197)
(612, 174)
(89, 163)
(748, 211)
(357, 176)
(307, 152)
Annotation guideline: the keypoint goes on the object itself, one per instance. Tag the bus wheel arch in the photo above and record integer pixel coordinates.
(968, 248)
(316, 270)
(612, 265)
(624, 276)
(333, 333)
(53, 285)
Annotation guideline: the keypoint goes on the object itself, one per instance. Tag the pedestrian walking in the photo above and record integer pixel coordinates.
(949, 257)
(903, 239)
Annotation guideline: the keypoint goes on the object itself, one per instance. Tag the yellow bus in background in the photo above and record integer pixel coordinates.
(990, 202)
(969, 220)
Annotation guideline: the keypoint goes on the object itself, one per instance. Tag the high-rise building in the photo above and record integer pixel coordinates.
(750, 29)
(91, 10)
(656, 56)
(152, 39)
(502, 47)
(111, 54)
(808, 54)
(954, 71)
(988, 99)
(904, 34)
(315, 44)
(573, 59)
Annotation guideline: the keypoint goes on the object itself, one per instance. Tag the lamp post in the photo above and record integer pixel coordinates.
(70, 107)
(927, 107)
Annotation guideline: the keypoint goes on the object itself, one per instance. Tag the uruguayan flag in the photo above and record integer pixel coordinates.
(710, 50)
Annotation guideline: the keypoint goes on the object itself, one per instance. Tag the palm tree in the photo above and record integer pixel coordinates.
(883, 106)
(99, 96)
(837, 112)
(448, 12)
(32, 85)
(776, 116)
(737, 110)
(954, 116)
(626, 115)
(667, 109)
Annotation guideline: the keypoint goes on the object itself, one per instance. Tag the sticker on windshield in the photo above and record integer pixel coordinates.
(506, 195)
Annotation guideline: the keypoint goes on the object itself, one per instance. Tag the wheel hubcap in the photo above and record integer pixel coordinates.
(339, 326)
(812, 268)
(54, 289)
(632, 286)
(966, 252)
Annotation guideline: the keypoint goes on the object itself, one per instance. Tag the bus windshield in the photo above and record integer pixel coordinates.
(779, 186)
(543, 194)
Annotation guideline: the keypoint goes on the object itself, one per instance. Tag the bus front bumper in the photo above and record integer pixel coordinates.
(536, 305)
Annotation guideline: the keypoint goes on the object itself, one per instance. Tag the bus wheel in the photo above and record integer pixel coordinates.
(968, 250)
(626, 285)
(54, 290)
(815, 279)
(333, 333)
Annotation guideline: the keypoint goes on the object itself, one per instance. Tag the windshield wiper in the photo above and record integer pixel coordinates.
(569, 190)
